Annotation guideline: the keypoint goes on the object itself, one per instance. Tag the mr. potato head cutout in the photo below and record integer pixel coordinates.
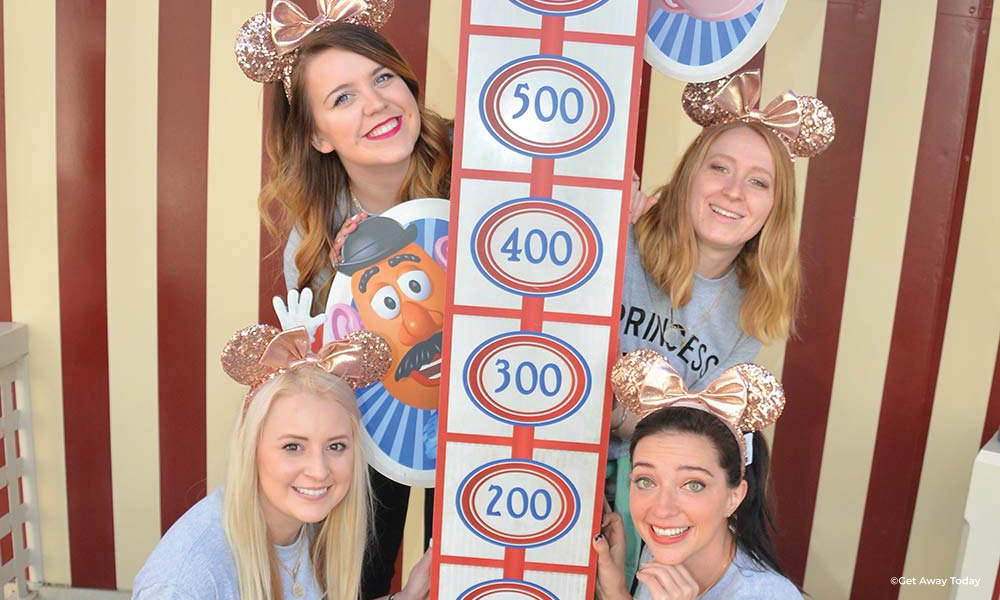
(399, 293)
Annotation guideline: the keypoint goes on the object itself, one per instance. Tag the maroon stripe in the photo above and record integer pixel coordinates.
(80, 159)
(408, 30)
(992, 421)
(935, 222)
(996, 586)
(271, 280)
(640, 136)
(5, 307)
(828, 217)
(182, 183)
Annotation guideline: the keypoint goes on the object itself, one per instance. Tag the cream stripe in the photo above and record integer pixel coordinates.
(131, 257)
(668, 131)
(895, 112)
(30, 94)
(442, 55)
(967, 361)
(234, 164)
(792, 62)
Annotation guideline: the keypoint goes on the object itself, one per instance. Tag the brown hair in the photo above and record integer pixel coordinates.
(307, 184)
(768, 264)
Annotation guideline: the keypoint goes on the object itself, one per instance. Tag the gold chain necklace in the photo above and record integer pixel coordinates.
(676, 327)
(298, 590)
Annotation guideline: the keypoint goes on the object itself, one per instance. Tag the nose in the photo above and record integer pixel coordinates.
(418, 323)
(374, 102)
(733, 188)
(666, 502)
(316, 466)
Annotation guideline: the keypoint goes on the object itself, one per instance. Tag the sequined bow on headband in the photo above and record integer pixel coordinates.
(803, 123)
(746, 397)
(257, 353)
(267, 47)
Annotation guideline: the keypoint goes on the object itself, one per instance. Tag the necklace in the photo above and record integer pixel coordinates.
(725, 567)
(676, 328)
(298, 590)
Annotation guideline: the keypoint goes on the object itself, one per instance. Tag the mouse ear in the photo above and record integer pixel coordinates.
(765, 397)
(241, 355)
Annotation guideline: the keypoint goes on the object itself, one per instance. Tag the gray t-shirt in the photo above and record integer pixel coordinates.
(743, 580)
(700, 339)
(193, 560)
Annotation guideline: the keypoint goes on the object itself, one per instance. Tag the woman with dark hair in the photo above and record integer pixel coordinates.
(348, 137)
(699, 508)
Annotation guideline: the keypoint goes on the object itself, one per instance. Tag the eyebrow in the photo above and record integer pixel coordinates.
(395, 260)
(344, 85)
(728, 157)
(363, 282)
(292, 436)
(680, 468)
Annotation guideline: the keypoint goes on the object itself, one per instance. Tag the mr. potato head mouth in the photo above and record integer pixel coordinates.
(422, 363)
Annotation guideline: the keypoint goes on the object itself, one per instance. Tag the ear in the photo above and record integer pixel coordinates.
(736, 496)
(321, 145)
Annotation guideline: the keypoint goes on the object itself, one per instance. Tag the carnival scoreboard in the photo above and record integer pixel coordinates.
(544, 144)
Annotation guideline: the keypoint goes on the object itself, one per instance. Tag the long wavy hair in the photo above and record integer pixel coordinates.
(337, 544)
(768, 265)
(752, 523)
(306, 184)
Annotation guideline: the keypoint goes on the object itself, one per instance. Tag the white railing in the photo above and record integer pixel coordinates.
(20, 542)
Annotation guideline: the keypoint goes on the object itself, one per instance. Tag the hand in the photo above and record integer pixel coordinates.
(667, 582)
(346, 229)
(610, 547)
(296, 314)
(639, 203)
(418, 584)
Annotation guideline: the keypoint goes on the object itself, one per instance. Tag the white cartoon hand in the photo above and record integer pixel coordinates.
(296, 313)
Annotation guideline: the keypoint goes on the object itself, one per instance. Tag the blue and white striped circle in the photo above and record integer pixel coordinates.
(692, 49)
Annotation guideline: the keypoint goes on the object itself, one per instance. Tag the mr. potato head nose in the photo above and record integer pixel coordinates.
(418, 323)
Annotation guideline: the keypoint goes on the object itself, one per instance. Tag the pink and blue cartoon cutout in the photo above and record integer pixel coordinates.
(391, 280)
(703, 40)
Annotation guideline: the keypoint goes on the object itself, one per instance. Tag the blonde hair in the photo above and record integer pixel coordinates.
(338, 543)
(307, 183)
(768, 265)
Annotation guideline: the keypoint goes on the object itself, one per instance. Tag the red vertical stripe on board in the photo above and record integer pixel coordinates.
(182, 184)
(80, 160)
(992, 421)
(828, 217)
(5, 308)
(996, 586)
(941, 177)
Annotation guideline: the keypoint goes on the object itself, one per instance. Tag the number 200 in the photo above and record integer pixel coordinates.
(539, 503)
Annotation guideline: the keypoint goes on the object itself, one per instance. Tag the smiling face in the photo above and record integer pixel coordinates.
(680, 500)
(732, 191)
(361, 110)
(402, 299)
(305, 461)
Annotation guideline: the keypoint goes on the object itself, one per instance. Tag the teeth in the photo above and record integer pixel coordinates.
(670, 532)
(385, 128)
(724, 212)
(311, 492)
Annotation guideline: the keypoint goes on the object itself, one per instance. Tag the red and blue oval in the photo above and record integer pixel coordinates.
(517, 503)
(527, 378)
(546, 106)
(559, 8)
(536, 247)
(505, 589)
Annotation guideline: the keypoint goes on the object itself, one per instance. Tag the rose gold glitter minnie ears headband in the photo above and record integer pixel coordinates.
(803, 123)
(267, 46)
(746, 397)
(257, 353)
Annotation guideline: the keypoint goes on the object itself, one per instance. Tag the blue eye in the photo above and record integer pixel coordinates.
(384, 77)
(341, 99)
(338, 446)
(291, 447)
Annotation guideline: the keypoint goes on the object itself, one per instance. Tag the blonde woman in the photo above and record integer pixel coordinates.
(293, 517)
(712, 267)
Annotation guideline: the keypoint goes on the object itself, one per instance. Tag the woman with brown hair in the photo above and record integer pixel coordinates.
(348, 137)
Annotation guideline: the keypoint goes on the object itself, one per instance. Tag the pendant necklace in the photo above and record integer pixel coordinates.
(298, 590)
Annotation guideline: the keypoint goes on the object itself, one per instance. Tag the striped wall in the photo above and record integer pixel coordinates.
(130, 245)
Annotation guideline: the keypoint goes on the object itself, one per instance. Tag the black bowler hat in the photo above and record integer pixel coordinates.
(375, 239)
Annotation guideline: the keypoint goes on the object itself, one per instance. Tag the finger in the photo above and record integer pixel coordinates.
(306, 300)
(279, 309)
